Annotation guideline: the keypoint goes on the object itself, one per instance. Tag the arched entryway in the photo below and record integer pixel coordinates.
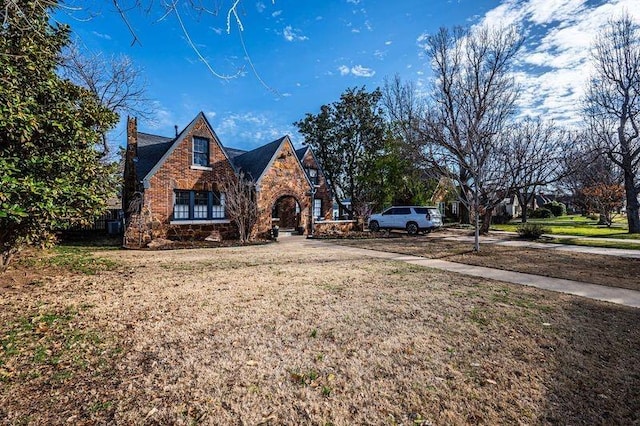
(286, 213)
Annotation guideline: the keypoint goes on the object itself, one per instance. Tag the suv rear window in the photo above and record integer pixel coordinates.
(421, 210)
(402, 210)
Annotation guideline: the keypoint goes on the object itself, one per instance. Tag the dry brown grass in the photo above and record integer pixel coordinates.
(299, 334)
(590, 268)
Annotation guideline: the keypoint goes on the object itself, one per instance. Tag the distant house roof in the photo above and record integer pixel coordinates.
(151, 148)
(254, 163)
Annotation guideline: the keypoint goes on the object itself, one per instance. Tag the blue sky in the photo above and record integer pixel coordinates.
(306, 53)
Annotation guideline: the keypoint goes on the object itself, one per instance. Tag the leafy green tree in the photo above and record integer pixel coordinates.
(50, 171)
(347, 137)
(396, 178)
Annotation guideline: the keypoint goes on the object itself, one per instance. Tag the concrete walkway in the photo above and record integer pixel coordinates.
(619, 296)
(508, 239)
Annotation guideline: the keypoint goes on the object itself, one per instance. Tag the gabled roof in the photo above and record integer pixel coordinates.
(254, 163)
(234, 152)
(173, 143)
(153, 151)
(300, 152)
(151, 148)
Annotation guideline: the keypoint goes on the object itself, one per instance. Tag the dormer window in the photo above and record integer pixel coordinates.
(200, 152)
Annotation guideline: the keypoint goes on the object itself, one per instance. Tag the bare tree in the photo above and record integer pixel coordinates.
(404, 108)
(613, 105)
(594, 180)
(241, 204)
(533, 154)
(116, 82)
(230, 10)
(473, 97)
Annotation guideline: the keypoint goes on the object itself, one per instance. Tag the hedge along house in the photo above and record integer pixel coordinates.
(172, 186)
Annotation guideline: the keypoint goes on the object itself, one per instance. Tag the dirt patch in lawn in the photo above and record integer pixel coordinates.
(293, 333)
(605, 270)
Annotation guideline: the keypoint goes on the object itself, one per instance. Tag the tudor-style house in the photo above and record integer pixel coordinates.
(172, 186)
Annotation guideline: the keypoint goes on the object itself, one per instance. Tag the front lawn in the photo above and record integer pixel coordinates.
(300, 333)
(576, 225)
(598, 269)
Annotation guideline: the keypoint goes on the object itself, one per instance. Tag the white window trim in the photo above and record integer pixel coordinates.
(199, 222)
(193, 153)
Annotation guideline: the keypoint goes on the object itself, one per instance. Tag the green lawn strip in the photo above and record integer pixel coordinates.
(574, 225)
(595, 243)
(78, 259)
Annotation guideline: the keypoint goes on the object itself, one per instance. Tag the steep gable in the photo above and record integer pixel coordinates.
(182, 138)
(254, 163)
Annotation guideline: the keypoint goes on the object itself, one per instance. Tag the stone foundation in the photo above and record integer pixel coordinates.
(328, 228)
(136, 238)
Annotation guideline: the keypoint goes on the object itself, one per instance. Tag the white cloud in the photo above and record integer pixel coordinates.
(554, 66)
(249, 130)
(353, 1)
(388, 42)
(276, 13)
(421, 41)
(358, 71)
(101, 35)
(379, 54)
(162, 117)
(260, 7)
(292, 34)
(216, 30)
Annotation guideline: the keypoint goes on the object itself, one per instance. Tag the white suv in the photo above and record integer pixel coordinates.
(412, 218)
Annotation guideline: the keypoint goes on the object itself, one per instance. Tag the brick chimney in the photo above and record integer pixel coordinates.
(132, 132)
(130, 184)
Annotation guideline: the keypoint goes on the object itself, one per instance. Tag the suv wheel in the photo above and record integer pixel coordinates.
(412, 228)
(374, 226)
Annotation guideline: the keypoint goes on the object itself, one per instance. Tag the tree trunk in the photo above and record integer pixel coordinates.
(523, 205)
(5, 258)
(464, 214)
(633, 207)
(486, 221)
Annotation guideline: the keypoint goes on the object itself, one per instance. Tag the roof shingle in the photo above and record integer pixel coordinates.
(151, 148)
(253, 163)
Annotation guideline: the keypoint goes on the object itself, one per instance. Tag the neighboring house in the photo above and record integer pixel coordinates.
(172, 186)
(509, 206)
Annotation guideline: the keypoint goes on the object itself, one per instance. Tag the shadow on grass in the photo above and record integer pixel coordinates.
(597, 369)
(90, 240)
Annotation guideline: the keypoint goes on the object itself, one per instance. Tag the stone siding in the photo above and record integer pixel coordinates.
(334, 227)
(285, 177)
